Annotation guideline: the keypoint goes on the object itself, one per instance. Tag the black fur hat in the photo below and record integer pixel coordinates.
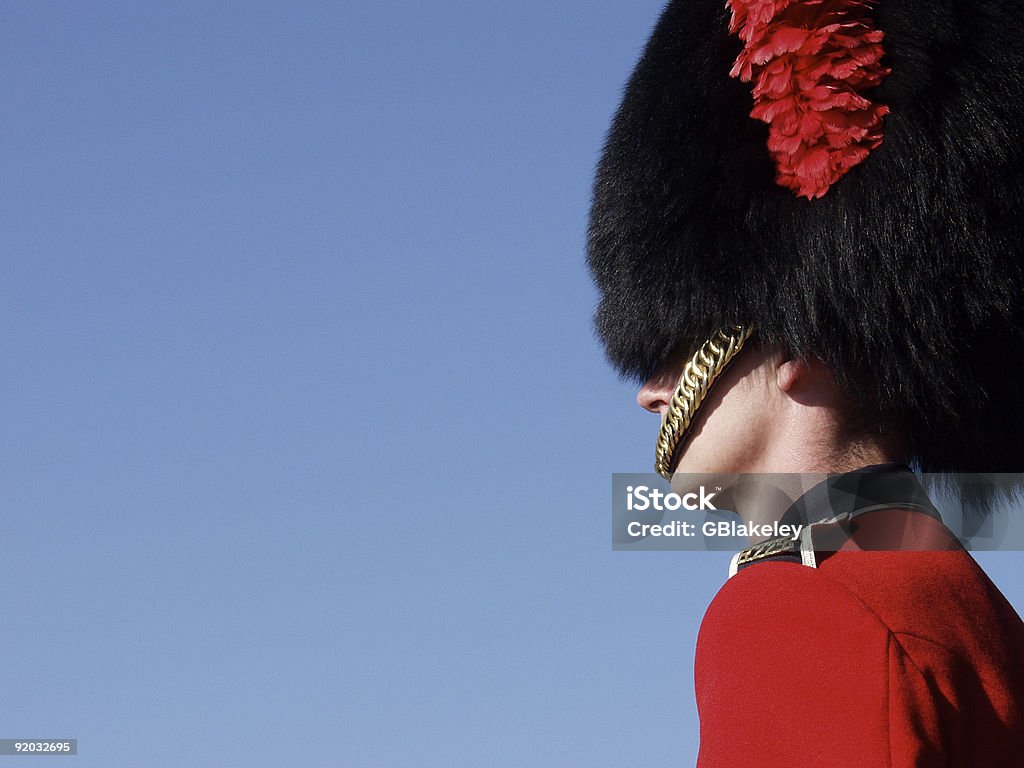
(905, 276)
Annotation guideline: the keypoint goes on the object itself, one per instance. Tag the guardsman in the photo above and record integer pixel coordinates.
(808, 235)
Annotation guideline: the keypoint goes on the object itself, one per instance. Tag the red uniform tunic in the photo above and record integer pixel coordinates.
(880, 659)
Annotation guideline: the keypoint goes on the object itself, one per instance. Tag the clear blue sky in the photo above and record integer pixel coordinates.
(307, 445)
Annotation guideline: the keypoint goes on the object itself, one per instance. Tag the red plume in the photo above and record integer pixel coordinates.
(811, 62)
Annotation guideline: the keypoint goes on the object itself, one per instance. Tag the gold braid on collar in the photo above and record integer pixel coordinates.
(699, 374)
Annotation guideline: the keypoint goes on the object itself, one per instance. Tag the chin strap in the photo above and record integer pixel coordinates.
(698, 375)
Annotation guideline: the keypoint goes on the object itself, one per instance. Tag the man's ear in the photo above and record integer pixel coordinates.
(789, 372)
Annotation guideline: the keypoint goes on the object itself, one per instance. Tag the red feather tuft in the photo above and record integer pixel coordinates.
(810, 62)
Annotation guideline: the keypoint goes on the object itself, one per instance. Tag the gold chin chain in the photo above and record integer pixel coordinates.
(699, 374)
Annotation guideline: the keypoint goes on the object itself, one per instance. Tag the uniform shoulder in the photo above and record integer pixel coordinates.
(784, 595)
(785, 645)
(774, 612)
(873, 655)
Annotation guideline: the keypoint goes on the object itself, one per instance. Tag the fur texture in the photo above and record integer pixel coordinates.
(906, 277)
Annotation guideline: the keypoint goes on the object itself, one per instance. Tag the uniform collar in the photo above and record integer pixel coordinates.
(877, 486)
(825, 513)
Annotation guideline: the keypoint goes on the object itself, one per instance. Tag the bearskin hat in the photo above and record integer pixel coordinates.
(848, 177)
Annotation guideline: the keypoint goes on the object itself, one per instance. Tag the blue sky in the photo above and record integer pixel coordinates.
(308, 444)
